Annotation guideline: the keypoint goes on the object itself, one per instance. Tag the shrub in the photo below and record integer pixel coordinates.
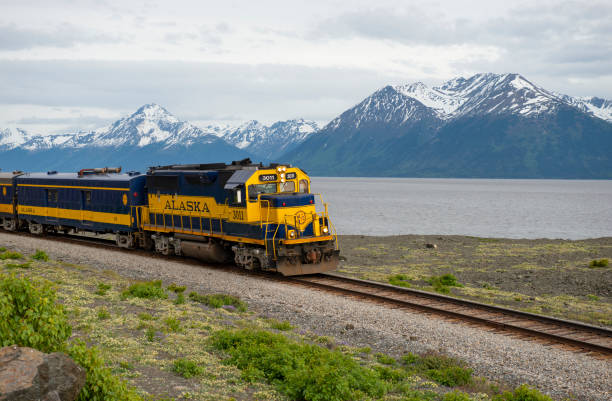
(384, 359)
(218, 300)
(441, 369)
(10, 255)
(180, 299)
(522, 393)
(173, 324)
(147, 289)
(186, 368)
(150, 334)
(29, 316)
(399, 280)
(592, 297)
(599, 263)
(40, 255)
(176, 289)
(102, 288)
(301, 371)
(456, 396)
(2, 249)
(442, 283)
(100, 384)
(282, 326)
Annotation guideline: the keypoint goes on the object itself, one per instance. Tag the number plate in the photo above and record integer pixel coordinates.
(267, 177)
(291, 176)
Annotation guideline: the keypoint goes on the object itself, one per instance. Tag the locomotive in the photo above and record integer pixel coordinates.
(259, 217)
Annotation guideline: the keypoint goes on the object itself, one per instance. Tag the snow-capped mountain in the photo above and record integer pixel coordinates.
(487, 125)
(269, 141)
(497, 93)
(12, 138)
(153, 131)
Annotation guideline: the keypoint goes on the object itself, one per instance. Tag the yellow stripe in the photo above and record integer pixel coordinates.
(6, 208)
(6, 185)
(149, 227)
(68, 186)
(95, 217)
(304, 240)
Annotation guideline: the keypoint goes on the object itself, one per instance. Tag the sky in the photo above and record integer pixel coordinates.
(67, 65)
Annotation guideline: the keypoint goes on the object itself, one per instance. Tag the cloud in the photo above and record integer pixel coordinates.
(65, 35)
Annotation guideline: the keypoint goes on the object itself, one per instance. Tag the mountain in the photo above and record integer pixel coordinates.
(487, 125)
(268, 142)
(150, 136)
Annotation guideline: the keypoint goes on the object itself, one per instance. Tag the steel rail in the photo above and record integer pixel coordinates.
(560, 331)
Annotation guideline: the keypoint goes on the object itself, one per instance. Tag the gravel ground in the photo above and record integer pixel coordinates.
(506, 359)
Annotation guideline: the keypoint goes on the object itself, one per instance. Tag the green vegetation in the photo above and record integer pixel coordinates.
(441, 369)
(100, 384)
(146, 289)
(103, 313)
(173, 324)
(219, 300)
(40, 255)
(102, 288)
(385, 359)
(187, 368)
(29, 315)
(443, 283)
(176, 289)
(599, 263)
(278, 325)
(456, 396)
(522, 393)
(10, 255)
(400, 280)
(592, 297)
(150, 334)
(301, 371)
(145, 316)
(25, 265)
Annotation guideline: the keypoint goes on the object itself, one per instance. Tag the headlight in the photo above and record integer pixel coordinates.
(325, 230)
(292, 234)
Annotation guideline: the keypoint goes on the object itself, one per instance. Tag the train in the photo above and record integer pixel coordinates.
(258, 217)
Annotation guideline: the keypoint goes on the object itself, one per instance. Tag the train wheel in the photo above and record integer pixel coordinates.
(35, 228)
(10, 224)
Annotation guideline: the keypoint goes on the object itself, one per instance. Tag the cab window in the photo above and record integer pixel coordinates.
(256, 189)
(287, 186)
(304, 186)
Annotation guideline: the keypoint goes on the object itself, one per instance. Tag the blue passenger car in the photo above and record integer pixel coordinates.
(89, 202)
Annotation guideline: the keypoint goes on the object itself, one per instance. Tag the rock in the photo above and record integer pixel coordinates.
(27, 374)
(432, 246)
(349, 326)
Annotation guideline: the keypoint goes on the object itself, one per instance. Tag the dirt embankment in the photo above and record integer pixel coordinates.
(542, 275)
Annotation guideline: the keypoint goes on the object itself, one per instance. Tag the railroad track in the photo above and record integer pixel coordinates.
(576, 336)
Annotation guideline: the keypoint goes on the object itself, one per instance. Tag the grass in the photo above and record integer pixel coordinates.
(443, 283)
(25, 265)
(280, 325)
(102, 288)
(40, 255)
(10, 255)
(219, 300)
(187, 368)
(147, 289)
(599, 263)
(103, 313)
(173, 324)
(400, 280)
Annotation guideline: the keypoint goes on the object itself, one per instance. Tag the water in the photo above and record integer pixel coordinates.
(568, 209)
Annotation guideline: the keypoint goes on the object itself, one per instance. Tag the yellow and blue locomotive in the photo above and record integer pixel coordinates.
(259, 217)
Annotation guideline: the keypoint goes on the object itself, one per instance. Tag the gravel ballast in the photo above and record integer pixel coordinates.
(554, 371)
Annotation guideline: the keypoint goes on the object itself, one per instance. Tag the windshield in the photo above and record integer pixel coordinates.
(254, 190)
